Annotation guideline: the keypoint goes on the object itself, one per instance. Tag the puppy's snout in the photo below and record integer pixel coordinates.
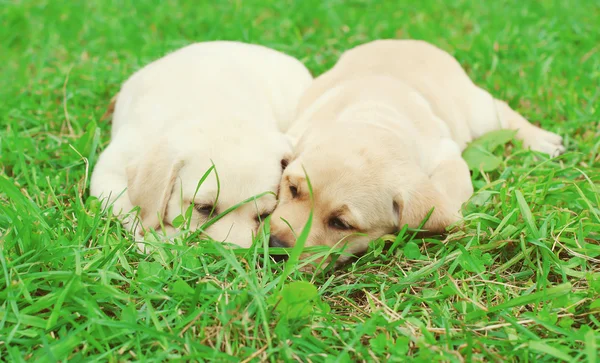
(276, 242)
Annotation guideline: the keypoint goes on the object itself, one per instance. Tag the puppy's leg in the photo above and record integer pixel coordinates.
(533, 137)
(109, 183)
(487, 114)
(445, 189)
(453, 179)
(450, 174)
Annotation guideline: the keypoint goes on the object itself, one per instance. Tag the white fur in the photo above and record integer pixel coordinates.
(219, 102)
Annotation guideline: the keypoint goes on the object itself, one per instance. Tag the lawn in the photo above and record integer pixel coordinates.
(517, 280)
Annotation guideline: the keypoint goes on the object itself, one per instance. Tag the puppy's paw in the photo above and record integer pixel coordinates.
(147, 241)
(543, 141)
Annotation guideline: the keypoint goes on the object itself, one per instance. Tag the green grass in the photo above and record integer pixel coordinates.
(519, 280)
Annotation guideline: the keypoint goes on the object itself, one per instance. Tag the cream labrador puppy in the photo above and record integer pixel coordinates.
(380, 137)
(218, 103)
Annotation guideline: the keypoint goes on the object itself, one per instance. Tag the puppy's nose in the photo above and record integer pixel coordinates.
(276, 242)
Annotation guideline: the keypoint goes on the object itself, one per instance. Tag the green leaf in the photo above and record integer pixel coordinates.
(379, 343)
(148, 269)
(487, 259)
(595, 305)
(182, 288)
(344, 357)
(478, 158)
(369, 327)
(548, 317)
(178, 221)
(593, 281)
(282, 329)
(190, 261)
(402, 345)
(492, 140)
(129, 314)
(481, 198)
(479, 153)
(474, 261)
(566, 322)
(298, 299)
(412, 251)
(323, 306)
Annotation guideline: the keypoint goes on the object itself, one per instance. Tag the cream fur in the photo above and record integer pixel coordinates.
(380, 137)
(226, 103)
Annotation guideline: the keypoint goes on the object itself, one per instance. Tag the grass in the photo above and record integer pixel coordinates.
(518, 280)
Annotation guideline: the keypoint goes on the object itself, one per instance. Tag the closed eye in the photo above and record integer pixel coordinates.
(205, 209)
(340, 224)
(262, 217)
(293, 191)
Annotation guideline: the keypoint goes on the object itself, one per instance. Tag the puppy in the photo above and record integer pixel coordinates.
(380, 137)
(218, 103)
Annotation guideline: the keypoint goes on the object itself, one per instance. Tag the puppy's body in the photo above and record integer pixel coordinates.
(418, 80)
(225, 103)
(380, 136)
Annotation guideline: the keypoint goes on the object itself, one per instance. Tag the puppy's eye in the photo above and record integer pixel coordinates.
(262, 217)
(337, 223)
(293, 191)
(204, 209)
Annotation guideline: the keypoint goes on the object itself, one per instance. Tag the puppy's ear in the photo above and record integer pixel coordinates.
(150, 181)
(291, 141)
(286, 160)
(412, 206)
(288, 154)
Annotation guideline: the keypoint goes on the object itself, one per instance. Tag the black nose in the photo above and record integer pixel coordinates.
(276, 242)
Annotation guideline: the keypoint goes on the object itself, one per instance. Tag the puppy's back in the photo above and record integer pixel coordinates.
(223, 79)
(432, 72)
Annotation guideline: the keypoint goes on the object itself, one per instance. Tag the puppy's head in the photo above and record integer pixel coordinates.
(362, 190)
(164, 181)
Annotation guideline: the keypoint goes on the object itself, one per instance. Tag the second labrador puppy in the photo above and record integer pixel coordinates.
(380, 137)
(219, 103)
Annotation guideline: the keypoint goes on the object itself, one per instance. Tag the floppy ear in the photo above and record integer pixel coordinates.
(288, 155)
(150, 181)
(412, 206)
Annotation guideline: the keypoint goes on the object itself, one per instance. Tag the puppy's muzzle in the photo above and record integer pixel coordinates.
(277, 243)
